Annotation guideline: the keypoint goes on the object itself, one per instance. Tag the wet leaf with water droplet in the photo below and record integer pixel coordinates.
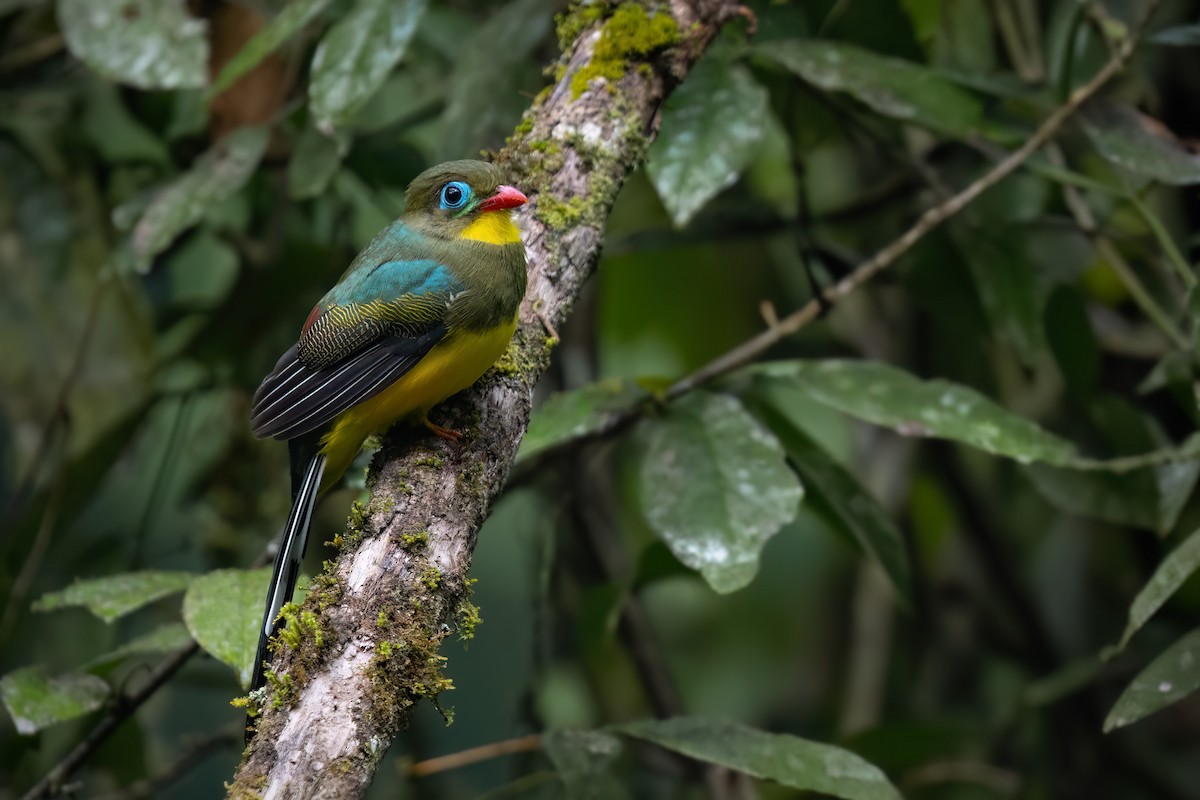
(885, 395)
(1169, 678)
(356, 55)
(711, 128)
(214, 178)
(893, 87)
(715, 486)
(35, 701)
(222, 610)
(584, 761)
(151, 44)
(1174, 570)
(788, 760)
(114, 596)
(1140, 143)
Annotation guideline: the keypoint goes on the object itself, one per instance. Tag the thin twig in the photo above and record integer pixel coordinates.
(931, 219)
(431, 766)
(754, 347)
(1086, 220)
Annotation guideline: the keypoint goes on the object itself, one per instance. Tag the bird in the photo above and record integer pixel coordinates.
(420, 314)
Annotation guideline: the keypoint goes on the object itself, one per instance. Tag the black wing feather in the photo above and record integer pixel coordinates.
(294, 399)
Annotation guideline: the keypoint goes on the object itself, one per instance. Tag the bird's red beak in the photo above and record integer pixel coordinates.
(505, 197)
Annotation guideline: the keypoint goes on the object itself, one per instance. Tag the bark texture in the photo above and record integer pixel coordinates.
(366, 645)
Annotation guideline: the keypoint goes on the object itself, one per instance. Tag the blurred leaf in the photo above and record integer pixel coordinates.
(356, 55)
(114, 596)
(482, 99)
(294, 16)
(416, 90)
(202, 271)
(584, 762)
(568, 415)
(223, 610)
(715, 486)
(788, 760)
(1140, 144)
(849, 504)
(1177, 36)
(1123, 499)
(151, 44)
(1170, 677)
(1069, 334)
(893, 87)
(35, 702)
(711, 128)
(1007, 285)
(214, 178)
(887, 396)
(1176, 568)
(315, 161)
(115, 133)
(163, 639)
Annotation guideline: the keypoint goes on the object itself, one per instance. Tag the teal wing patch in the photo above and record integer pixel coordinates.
(404, 299)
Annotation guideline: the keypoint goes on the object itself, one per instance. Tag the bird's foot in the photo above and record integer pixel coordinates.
(449, 434)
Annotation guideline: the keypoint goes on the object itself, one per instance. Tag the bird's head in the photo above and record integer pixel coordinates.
(464, 200)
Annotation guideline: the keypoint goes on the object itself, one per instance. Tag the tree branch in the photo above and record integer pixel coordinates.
(400, 587)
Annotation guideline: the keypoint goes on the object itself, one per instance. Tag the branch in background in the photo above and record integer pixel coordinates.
(400, 588)
(121, 708)
(756, 346)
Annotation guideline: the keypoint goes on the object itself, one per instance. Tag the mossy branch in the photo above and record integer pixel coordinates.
(399, 588)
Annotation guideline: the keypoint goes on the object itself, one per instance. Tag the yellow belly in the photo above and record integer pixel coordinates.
(452, 365)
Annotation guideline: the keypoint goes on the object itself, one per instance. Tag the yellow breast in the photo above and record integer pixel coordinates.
(493, 227)
(452, 365)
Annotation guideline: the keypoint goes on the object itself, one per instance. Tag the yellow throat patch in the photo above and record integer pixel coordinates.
(493, 227)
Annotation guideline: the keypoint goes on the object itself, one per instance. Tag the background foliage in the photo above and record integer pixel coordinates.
(949, 528)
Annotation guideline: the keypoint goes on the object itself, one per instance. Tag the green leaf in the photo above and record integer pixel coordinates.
(114, 132)
(893, 87)
(788, 760)
(356, 55)
(711, 128)
(151, 44)
(315, 161)
(570, 415)
(1176, 568)
(1069, 334)
(483, 100)
(222, 610)
(715, 486)
(846, 502)
(115, 596)
(1170, 677)
(1140, 144)
(216, 176)
(887, 396)
(35, 702)
(202, 272)
(1008, 288)
(163, 639)
(1123, 499)
(584, 762)
(294, 16)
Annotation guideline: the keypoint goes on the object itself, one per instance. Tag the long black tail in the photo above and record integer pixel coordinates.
(307, 468)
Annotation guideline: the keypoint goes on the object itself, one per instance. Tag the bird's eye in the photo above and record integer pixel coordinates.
(455, 195)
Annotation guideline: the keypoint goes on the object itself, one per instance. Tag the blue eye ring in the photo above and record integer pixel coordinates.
(454, 195)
